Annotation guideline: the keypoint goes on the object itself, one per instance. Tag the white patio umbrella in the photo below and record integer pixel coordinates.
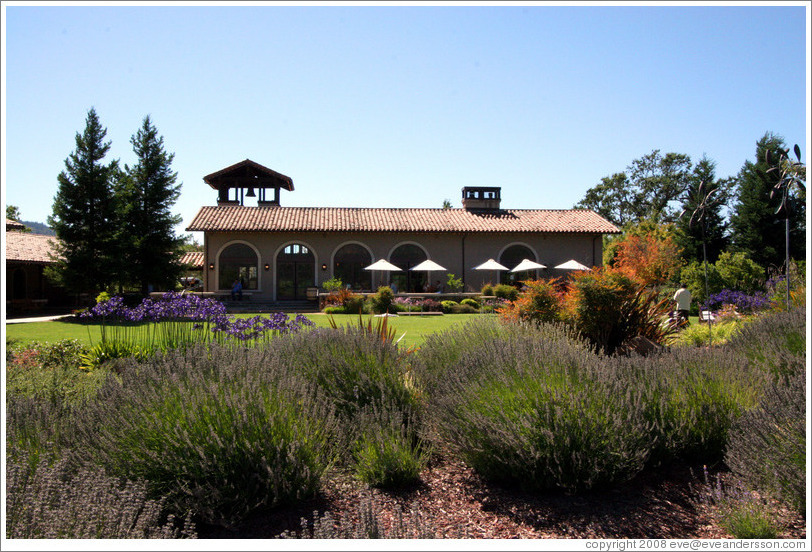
(383, 265)
(526, 265)
(572, 265)
(428, 266)
(490, 264)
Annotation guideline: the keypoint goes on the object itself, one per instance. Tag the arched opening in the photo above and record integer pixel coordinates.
(238, 261)
(295, 272)
(348, 265)
(405, 257)
(511, 257)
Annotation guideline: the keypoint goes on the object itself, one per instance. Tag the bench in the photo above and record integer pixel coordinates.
(704, 316)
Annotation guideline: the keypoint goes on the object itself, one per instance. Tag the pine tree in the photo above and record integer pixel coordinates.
(148, 190)
(756, 229)
(689, 237)
(83, 213)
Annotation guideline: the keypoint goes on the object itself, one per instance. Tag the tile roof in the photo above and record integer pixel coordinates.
(14, 225)
(193, 259)
(236, 218)
(30, 248)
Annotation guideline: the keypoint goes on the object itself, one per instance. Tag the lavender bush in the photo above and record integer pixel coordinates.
(219, 431)
(52, 501)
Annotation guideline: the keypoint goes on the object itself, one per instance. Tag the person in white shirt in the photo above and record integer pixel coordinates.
(683, 300)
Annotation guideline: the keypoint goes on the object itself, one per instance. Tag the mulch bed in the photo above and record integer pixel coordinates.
(457, 503)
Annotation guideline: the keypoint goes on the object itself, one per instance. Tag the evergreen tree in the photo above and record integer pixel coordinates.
(147, 192)
(83, 214)
(756, 228)
(689, 237)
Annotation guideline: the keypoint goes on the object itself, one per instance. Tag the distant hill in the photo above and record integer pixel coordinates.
(39, 228)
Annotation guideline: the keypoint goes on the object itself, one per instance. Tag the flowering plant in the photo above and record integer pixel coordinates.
(178, 320)
(742, 301)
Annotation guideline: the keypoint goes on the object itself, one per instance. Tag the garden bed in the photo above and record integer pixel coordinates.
(453, 499)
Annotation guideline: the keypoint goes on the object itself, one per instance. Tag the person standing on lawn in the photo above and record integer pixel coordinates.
(682, 298)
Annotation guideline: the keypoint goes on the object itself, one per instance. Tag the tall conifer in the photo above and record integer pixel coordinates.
(83, 213)
(147, 192)
(756, 229)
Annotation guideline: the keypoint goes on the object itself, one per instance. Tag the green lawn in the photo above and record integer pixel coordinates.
(416, 328)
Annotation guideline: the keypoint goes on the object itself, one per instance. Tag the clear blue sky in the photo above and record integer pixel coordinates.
(387, 106)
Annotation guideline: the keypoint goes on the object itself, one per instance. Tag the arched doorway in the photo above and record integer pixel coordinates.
(238, 261)
(511, 257)
(348, 265)
(295, 272)
(405, 257)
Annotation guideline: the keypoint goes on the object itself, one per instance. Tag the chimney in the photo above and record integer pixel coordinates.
(480, 198)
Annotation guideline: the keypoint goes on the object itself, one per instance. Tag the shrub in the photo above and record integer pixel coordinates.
(767, 447)
(430, 305)
(536, 412)
(464, 309)
(387, 453)
(738, 272)
(694, 277)
(699, 335)
(335, 310)
(355, 304)
(692, 399)
(609, 309)
(776, 342)
(109, 350)
(487, 290)
(333, 284)
(219, 432)
(381, 302)
(506, 292)
(776, 287)
(366, 523)
(538, 302)
(51, 501)
(448, 306)
(741, 513)
(34, 372)
(453, 284)
(471, 303)
(354, 367)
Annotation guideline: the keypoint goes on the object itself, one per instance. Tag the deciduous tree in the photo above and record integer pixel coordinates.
(648, 189)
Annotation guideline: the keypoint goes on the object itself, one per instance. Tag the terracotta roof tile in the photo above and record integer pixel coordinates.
(193, 259)
(31, 248)
(235, 218)
(14, 225)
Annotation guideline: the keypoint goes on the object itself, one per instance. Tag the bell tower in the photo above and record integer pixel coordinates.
(248, 179)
